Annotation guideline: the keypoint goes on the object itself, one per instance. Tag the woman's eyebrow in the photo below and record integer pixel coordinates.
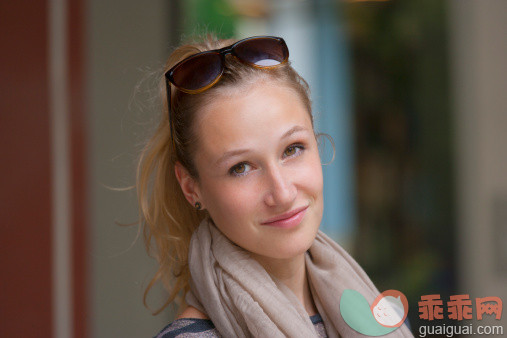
(237, 152)
(229, 154)
(293, 130)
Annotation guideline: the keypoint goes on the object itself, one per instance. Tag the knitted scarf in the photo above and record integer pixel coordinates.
(243, 300)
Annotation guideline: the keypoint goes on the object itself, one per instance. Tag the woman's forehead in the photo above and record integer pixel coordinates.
(263, 114)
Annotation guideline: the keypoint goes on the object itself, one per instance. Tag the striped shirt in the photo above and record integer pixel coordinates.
(193, 327)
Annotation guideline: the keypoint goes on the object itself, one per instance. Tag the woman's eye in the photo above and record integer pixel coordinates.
(293, 150)
(244, 168)
(239, 169)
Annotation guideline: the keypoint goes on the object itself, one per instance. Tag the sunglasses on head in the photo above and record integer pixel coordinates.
(201, 71)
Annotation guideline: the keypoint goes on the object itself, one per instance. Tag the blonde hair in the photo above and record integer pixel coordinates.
(168, 219)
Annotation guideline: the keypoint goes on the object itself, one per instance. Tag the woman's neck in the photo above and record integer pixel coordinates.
(292, 273)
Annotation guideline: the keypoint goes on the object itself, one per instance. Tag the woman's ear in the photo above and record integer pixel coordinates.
(187, 183)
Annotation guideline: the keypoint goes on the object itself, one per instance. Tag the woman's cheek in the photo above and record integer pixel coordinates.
(235, 196)
(310, 173)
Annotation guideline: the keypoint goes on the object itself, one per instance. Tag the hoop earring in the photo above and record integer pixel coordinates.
(198, 205)
(318, 136)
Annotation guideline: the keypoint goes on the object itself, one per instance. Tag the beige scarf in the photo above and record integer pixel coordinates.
(243, 300)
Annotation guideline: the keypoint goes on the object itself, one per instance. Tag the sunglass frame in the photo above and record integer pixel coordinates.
(169, 75)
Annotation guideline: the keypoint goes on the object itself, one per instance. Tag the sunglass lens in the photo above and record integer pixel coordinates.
(263, 52)
(198, 71)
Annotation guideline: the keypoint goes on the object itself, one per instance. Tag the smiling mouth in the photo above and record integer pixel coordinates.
(288, 219)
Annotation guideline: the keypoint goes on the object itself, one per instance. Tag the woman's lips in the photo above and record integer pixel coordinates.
(287, 220)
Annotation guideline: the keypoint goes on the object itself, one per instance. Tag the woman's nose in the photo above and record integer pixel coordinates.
(280, 187)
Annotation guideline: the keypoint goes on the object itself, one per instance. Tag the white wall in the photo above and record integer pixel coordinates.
(478, 31)
(125, 38)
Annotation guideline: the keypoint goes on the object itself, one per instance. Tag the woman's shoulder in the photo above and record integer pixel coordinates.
(189, 327)
(192, 312)
(191, 323)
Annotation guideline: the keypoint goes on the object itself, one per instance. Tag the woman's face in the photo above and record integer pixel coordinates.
(260, 175)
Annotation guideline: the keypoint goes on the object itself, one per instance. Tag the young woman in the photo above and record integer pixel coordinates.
(230, 192)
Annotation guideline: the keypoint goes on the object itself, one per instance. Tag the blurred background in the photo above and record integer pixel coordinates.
(413, 94)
